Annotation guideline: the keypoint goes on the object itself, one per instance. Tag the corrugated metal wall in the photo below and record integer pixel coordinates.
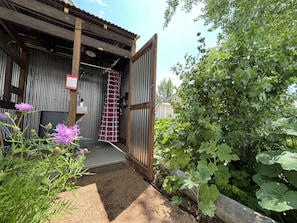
(45, 89)
(92, 88)
(15, 70)
(14, 79)
(139, 135)
(142, 79)
(140, 118)
(3, 58)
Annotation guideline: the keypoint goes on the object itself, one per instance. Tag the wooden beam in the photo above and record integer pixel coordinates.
(67, 18)
(106, 33)
(7, 80)
(59, 32)
(22, 79)
(150, 152)
(11, 31)
(7, 104)
(128, 128)
(9, 52)
(86, 40)
(141, 106)
(30, 22)
(16, 90)
(75, 70)
(46, 10)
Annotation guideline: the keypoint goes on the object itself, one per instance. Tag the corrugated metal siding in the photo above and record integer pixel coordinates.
(92, 89)
(3, 59)
(14, 80)
(15, 71)
(139, 135)
(45, 89)
(141, 92)
(142, 79)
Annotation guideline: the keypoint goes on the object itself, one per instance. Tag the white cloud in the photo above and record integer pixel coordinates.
(101, 13)
(100, 2)
(191, 35)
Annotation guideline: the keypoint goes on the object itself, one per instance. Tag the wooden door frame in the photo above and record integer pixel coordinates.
(148, 170)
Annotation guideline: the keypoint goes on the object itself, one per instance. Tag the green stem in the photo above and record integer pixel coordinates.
(20, 119)
(280, 217)
(197, 194)
(294, 214)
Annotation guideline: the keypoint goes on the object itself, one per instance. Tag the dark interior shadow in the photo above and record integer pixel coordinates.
(118, 185)
(101, 153)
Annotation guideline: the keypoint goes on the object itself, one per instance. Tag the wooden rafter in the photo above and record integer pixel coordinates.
(12, 33)
(59, 32)
(69, 19)
(13, 55)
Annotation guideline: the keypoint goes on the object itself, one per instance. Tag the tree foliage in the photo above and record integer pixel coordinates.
(165, 89)
(232, 94)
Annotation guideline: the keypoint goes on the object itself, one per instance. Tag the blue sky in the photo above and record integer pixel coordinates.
(145, 18)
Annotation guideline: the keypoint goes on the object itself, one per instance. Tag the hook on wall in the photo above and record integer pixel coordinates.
(124, 100)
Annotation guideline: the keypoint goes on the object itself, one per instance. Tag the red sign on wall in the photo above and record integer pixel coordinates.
(71, 82)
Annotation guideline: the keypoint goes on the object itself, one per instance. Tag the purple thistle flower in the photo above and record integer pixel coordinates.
(2, 116)
(79, 153)
(24, 107)
(65, 135)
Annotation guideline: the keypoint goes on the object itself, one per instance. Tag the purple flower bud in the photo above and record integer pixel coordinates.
(24, 107)
(79, 153)
(2, 116)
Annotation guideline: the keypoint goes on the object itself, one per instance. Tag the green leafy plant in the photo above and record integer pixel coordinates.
(209, 174)
(205, 168)
(230, 94)
(34, 170)
(277, 172)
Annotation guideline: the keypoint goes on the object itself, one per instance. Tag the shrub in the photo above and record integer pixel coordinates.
(34, 170)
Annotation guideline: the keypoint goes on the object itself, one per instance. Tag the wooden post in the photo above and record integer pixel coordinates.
(22, 78)
(7, 81)
(128, 128)
(75, 70)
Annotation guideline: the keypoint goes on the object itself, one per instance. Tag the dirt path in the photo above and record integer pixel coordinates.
(118, 194)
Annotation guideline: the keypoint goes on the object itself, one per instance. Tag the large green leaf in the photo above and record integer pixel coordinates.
(290, 129)
(195, 177)
(208, 193)
(269, 170)
(204, 172)
(179, 159)
(267, 157)
(291, 177)
(222, 175)
(207, 208)
(260, 179)
(275, 196)
(288, 160)
(224, 153)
